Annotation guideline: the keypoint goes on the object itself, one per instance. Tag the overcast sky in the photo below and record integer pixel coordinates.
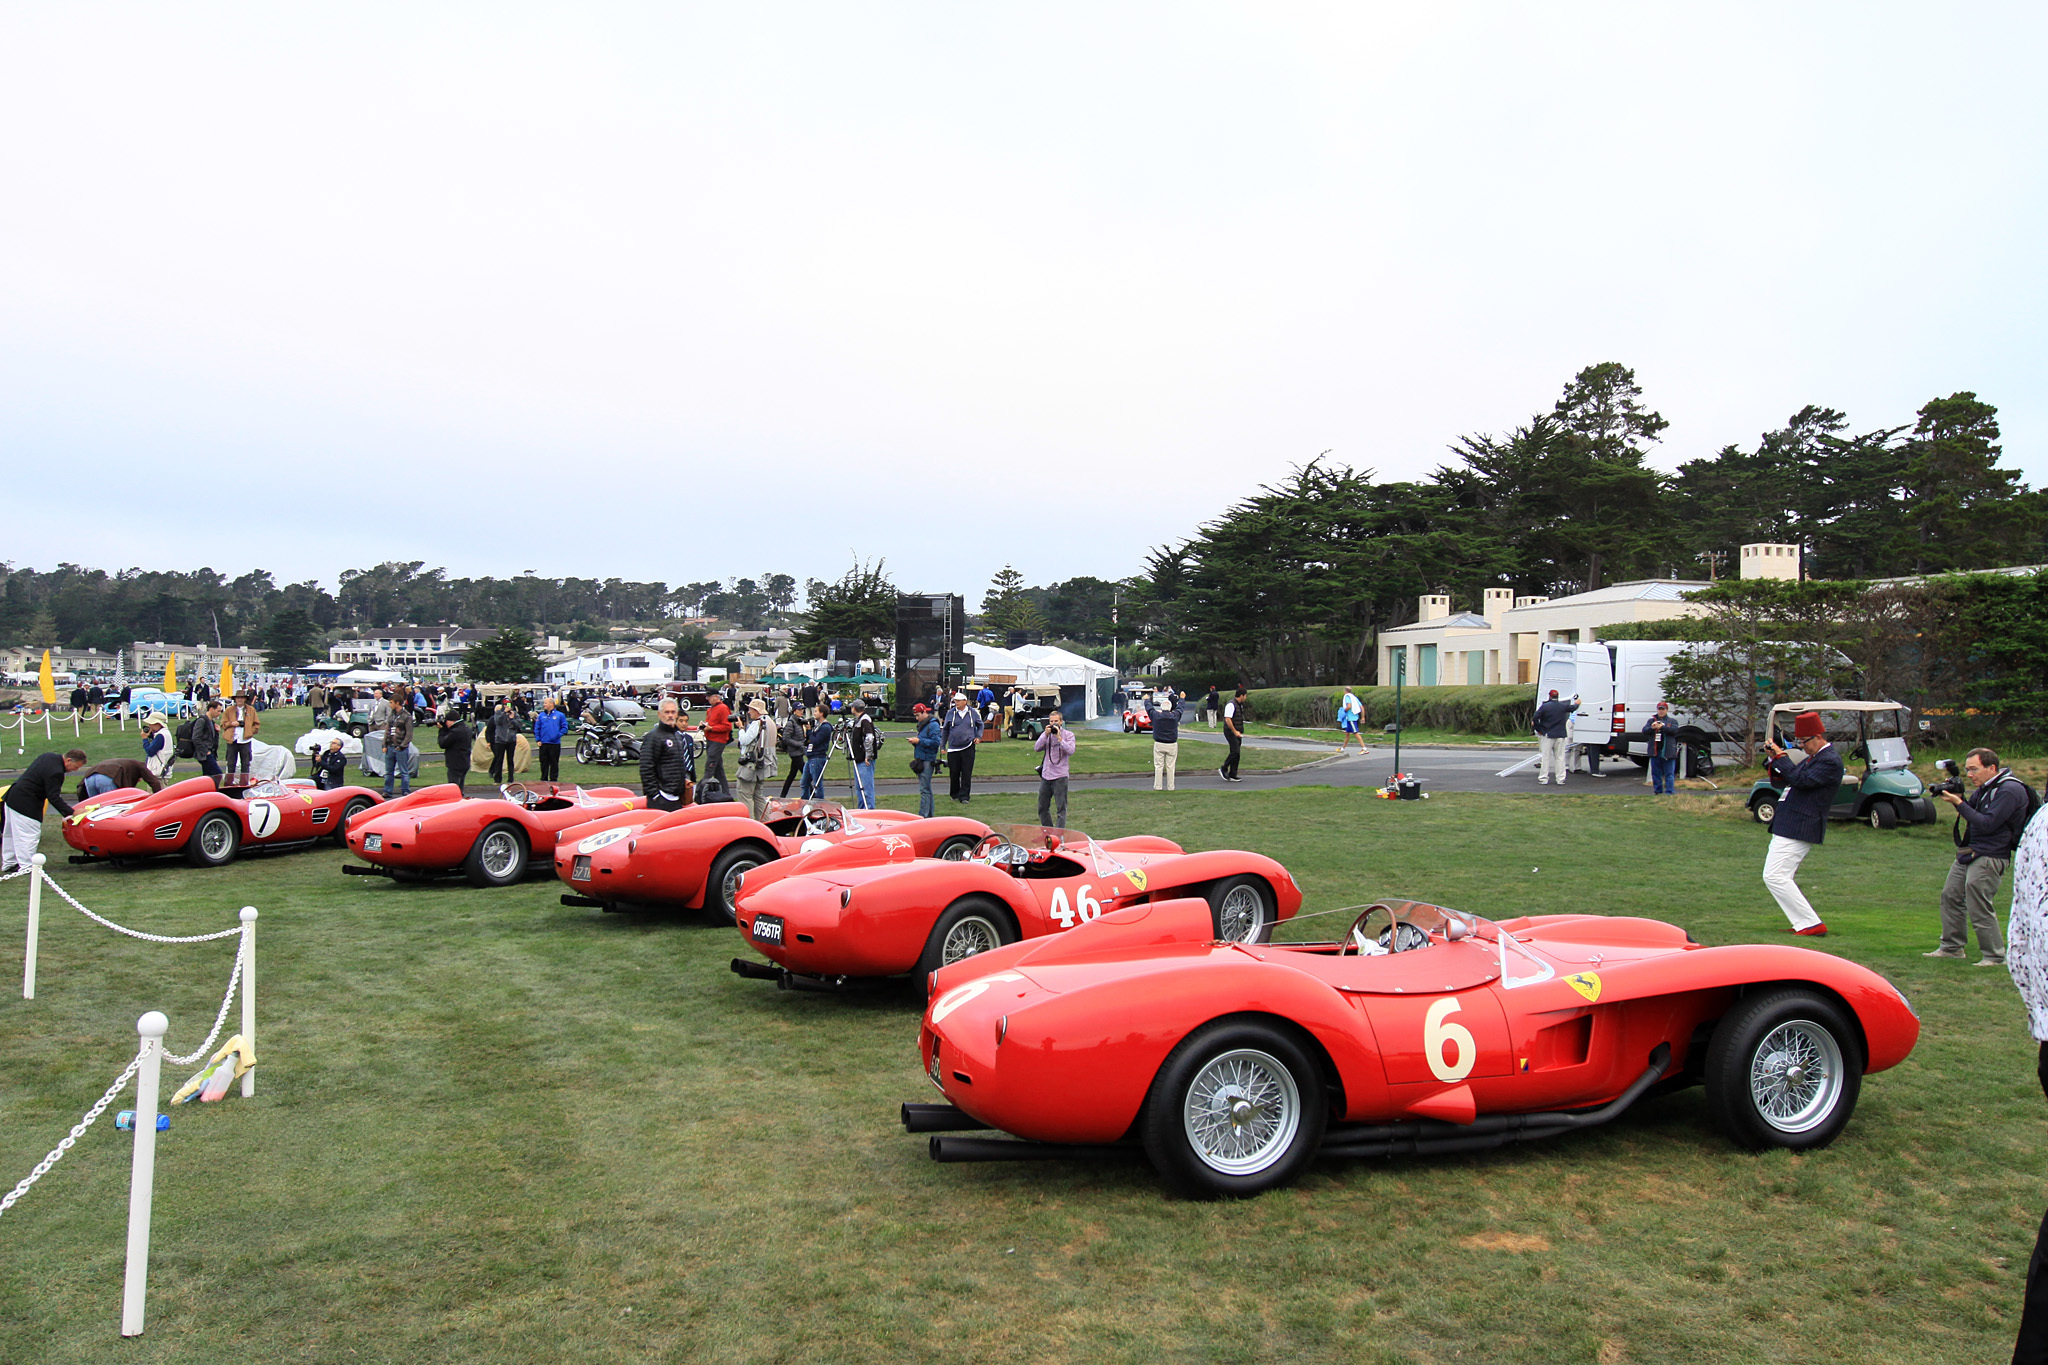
(683, 292)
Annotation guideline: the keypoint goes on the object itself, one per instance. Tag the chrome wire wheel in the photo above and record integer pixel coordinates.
(500, 853)
(1241, 915)
(969, 937)
(731, 886)
(1241, 1111)
(1795, 1076)
(216, 837)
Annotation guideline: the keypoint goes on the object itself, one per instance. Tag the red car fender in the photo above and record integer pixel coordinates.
(438, 794)
(1141, 843)
(1193, 869)
(927, 834)
(900, 908)
(670, 861)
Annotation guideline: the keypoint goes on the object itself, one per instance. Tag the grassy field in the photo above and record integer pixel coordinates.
(1095, 752)
(490, 1128)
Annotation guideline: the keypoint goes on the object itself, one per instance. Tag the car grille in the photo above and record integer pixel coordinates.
(169, 831)
(320, 815)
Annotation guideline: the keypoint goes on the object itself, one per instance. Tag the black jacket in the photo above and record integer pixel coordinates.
(1663, 743)
(1996, 814)
(862, 739)
(44, 781)
(330, 768)
(457, 742)
(668, 762)
(504, 727)
(1554, 719)
(205, 737)
(818, 743)
(1809, 795)
(1166, 723)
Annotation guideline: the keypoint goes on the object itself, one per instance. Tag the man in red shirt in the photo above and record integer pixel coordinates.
(717, 734)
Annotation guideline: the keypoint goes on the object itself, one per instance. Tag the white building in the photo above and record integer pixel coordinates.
(1500, 642)
(418, 652)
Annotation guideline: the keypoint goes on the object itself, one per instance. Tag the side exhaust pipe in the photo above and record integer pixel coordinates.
(1007, 1149)
(583, 902)
(938, 1118)
(359, 870)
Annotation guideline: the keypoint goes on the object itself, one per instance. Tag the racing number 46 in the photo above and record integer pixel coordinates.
(1084, 908)
(1439, 1036)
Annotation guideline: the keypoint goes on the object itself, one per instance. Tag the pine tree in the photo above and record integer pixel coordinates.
(507, 657)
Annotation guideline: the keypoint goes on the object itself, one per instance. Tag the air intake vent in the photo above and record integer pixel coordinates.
(169, 831)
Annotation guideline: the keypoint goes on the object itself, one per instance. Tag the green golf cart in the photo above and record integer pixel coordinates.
(1887, 793)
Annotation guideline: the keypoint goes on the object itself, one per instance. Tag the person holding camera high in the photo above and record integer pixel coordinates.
(1167, 711)
(1056, 745)
(1997, 815)
(1802, 819)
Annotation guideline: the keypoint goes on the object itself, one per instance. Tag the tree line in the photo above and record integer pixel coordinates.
(1291, 585)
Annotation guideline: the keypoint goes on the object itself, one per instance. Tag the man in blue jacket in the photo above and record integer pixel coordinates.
(1553, 737)
(548, 728)
(1802, 818)
(1167, 711)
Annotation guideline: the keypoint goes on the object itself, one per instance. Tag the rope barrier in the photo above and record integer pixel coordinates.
(51, 882)
(71, 1139)
(234, 980)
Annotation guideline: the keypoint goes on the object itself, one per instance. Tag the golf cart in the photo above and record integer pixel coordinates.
(1886, 793)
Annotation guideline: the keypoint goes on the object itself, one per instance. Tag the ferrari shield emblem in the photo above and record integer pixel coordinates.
(1586, 984)
(1137, 877)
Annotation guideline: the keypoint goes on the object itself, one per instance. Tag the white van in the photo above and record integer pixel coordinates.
(1618, 686)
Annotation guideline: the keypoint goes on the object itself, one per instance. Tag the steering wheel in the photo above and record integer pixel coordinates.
(1399, 936)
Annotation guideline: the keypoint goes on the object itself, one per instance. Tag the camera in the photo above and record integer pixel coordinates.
(1952, 782)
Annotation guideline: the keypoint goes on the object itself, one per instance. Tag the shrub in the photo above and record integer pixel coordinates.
(1503, 709)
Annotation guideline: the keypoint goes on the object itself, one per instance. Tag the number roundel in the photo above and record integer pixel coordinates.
(264, 818)
(1439, 1037)
(1084, 908)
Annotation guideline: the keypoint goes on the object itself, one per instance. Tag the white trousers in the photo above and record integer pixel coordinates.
(19, 837)
(1779, 864)
(1556, 752)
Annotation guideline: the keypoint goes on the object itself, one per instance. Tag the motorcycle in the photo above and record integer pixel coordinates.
(612, 744)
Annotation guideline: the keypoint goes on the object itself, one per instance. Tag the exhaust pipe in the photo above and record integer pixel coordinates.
(358, 870)
(755, 971)
(1431, 1137)
(938, 1118)
(1008, 1149)
(583, 902)
(84, 858)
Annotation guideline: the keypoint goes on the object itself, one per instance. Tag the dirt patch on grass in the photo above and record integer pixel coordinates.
(1505, 1241)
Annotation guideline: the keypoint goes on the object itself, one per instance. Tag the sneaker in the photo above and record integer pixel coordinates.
(1220, 773)
(1813, 931)
(1991, 962)
(1953, 954)
(1542, 781)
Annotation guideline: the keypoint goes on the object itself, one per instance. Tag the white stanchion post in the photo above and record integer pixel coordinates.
(142, 1179)
(35, 924)
(249, 994)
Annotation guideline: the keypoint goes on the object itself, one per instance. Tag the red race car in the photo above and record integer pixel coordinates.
(695, 857)
(838, 917)
(1423, 1031)
(1138, 716)
(491, 840)
(209, 824)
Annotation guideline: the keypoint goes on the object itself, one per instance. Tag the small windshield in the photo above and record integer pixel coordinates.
(1038, 843)
(789, 815)
(531, 794)
(1390, 927)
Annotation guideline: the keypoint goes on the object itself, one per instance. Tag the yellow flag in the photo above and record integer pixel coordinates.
(46, 681)
(171, 675)
(227, 678)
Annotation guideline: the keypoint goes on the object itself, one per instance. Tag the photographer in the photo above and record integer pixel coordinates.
(1056, 743)
(924, 753)
(863, 746)
(1996, 813)
(1802, 819)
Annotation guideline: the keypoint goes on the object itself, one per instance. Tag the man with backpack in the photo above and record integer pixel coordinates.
(200, 738)
(1997, 813)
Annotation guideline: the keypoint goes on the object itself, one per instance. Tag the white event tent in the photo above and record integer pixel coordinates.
(1046, 666)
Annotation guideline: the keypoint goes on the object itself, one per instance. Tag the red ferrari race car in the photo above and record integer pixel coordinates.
(695, 857)
(491, 840)
(833, 918)
(1423, 1031)
(209, 824)
(1138, 716)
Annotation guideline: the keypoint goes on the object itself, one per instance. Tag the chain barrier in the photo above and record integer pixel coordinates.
(234, 980)
(22, 871)
(78, 1131)
(51, 882)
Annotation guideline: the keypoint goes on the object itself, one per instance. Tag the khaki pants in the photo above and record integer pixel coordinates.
(1556, 753)
(1165, 758)
(750, 790)
(1969, 891)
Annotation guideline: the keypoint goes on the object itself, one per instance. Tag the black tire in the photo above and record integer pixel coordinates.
(584, 751)
(1241, 910)
(1882, 815)
(215, 840)
(498, 857)
(358, 731)
(965, 930)
(1760, 1070)
(1764, 809)
(356, 806)
(956, 849)
(1248, 1150)
(726, 869)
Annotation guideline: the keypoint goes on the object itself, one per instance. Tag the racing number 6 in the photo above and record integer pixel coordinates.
(1438, 1037)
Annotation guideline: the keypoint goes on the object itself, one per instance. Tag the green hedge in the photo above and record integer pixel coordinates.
(1504, 709)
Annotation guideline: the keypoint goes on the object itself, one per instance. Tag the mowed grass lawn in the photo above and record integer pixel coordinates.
(491, 1128)
(1095, 752)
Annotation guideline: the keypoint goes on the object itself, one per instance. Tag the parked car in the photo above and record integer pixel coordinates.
(694, 857)
(148, 701)
(1423, 1031)
(211, 824)
(1887, 793)
(491, 839)
(832, 917)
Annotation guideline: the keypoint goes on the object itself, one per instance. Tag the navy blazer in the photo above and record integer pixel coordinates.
(1810, 791)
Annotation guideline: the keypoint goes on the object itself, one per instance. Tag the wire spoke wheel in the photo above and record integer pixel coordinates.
(967, 938)
(215, 838)
(1795, 1076)
(731, 886)
(501, 851)
(1240, 916)
(1241, 1111)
